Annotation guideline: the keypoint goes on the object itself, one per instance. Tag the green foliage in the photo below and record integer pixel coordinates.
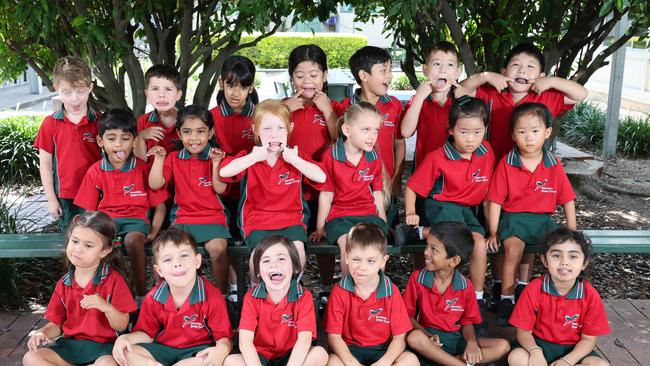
(402, 82)
(18, 157)
(273, 52)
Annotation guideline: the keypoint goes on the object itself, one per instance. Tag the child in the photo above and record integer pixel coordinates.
(442, 305)
(90, 304)
(560, 314)
(66, 139)
(527, 185)
(271, 175)
(366, 320)
(184, 317)
(193, 171)
(118, 186)
(158, 127)
(278, 321)
(353, 190)
(453, 179)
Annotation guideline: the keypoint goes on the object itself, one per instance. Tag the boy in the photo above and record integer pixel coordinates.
(442, 304)
(66, 139)
(184, 317)
(118, 186)
(366, 320)
(158, 127)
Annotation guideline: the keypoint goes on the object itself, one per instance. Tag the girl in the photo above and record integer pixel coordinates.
(559, 315)
(90, 304)
(353, 190)
(267, 338)
(271, 176)
(451, 180)
(193, 171)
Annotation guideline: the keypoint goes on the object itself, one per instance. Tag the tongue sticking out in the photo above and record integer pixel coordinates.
(276, 277)
(440, 83)
(521, 80)
(120, 154)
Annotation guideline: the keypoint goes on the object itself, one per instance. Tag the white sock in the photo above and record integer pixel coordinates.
(509, 297)
(420, 228)
(521, 283)
(233, 287)
(479, 295)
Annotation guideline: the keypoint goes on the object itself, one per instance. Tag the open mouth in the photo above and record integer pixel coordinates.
(275, 144)
(276, 277)
(179, 273)
(441, 83)
(521, 81)
(120, 154)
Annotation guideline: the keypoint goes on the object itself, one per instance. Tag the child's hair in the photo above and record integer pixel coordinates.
(270, 241)
(175, 236)
(467, 107)
(309, 53)
(564, 234)
(529, 49)
(194, 111)
(456, 238)
(538, 110)
(446, 47)
(365, 235)
(353, 113)
(238, 70)
(163, 72)
(118, 119)
(365, 58)
(74, 70)
(104, 226)
(274, 107)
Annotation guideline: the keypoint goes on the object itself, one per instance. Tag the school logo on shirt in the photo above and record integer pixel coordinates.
(477, 177)
(375, 314)
(286, 179)
(131, 192)
(540, 185)
(320, 119)
(190, 321)
(247, 134)
(88, 137)
(288, 320)
(364, 176)
(572, 320)
(205, 182)
(387, 122)
(450, 305)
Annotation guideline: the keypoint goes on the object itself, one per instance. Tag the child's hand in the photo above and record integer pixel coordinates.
(322, 102)
(412, 219)
(492, 242)
(290, 155)
(122, 344)
(424, 89)
(158, 152)
(259, 153)
(39, 338)
(216, 155)
(498, 81)
(473, 353)
(54, 208)
(459, 90)
(435, 339)
(155, 133)
(95, 302)
(207, 357)
(541, 84)
(295, 102)
(317, 235)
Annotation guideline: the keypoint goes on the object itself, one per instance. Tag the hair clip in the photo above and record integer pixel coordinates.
(117, 242)
(464, 99)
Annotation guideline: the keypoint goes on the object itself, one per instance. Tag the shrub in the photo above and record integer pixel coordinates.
(273, 52)
(402, 82)
(18, 157)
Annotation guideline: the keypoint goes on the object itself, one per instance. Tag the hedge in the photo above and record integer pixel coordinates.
(18, 157)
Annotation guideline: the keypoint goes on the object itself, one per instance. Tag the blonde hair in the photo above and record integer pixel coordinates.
(353, 113)
(274, 107)
(74, 70)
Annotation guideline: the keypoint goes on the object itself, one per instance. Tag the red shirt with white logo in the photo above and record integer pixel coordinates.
(432, 128)
(171, 141)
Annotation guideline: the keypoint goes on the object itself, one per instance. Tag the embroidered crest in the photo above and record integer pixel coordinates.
(205, 182)
(288, 320)
(320, 119)
(375, 314)
(88, 137)
(477, 177)
(572, 320)
(190, 321)
(450, 305)
(364, 176)
(284, 179)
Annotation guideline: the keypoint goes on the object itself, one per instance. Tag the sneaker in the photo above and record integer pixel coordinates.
(518, 290)
(504, 310)
(323, 298)
(406, 234)
(481, 329)
(496, 296)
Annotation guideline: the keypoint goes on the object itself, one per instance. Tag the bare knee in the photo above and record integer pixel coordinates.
(407, 359)
(518, 357)
(135, 241)
(334, 360)
(317, 356)
(216, 246)
(105, 361)
(416, 339)
(594, 361)
(32, 358)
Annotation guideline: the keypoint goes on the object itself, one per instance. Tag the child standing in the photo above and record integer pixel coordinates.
(278, 321)
(366, 320)
(184, 317)
(527, 185)
(442, 305)
(90, 304)
(560, 314)
(66, 139)
(118, 186)
(193, 171)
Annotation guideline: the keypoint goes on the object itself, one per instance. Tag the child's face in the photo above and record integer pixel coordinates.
(442, 69)
(564, 261)
(435, 255)
(236, 94)
(74, 97)
(272, 132)
(468, 134)
(524, 69)
(308, 77)
(162, 94)
(529, 134)
(362, 133)
(117, 144)
(85, 248)
(276, 268)
(195, 135)
(365, 263)
(177, 264)
(379, 78)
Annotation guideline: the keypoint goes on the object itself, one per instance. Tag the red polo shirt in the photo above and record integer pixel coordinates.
(446, 176)
(517, 189)
(276, 326)
(447, 311)
(89, 324)
(202, 319)
(171, 141)
(560, 319)
(73, 147)
(432, 129)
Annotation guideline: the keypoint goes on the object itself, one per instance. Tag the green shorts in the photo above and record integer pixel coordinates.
(170, 355)
(280, 361)
(437, 211)
(295, 233)
(126, 225)
(531, 228)
(553, 351)
(69, 210)
(80, 352)
(341, 226)
(369, 354)
(205, 232)
(452, 342)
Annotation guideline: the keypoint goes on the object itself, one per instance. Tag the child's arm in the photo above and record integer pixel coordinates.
(400, 155)
(324, 104)
(240, 164)
(527, 342)
(570, 214)
(573, 92)
(585, 345)
(472, 352)
(214, 356)
(140, 147)
(410, 196)
(157, 221)
(45, 334)
(116, 319)
(410, 119)
(379, 202)
(310, 170)
(300, 349)
(324, 205)
(494, 212)
(217, 156)
(341, 349)
(247, 348)
(156, 176)
(45, 169)
(126, 342)
(498, 81)
(395, 348)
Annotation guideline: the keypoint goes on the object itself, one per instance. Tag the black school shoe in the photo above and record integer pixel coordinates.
(496, 296)
(518, 290)
(406, 234)
(504, 310)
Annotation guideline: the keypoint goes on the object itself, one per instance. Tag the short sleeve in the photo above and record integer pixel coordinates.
(595, 322)
(378, 181)
(422, 180)
(249, 313)
(484, 92)
(122, 299)
(472, 314)
(156, 196)
(565, 191)
(524, 314)
(328, 167)
(147, 320)
(168, 169)
(554, 100)
(411, 295)
(340, 107)
(335, 311)
(306, 315)
(218, 320)
(498, 191)
(56, 309)
(398, 118)
(88, 195)
(229, 159)
(400, 322)
(45, 136)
